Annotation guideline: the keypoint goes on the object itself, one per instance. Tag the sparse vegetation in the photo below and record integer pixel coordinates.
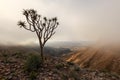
(77, 68)
(18, 55)
(64, 76)
(59, 65)
(70, 63)
(32, 75)
(5, 56)
(53, 69)
(104, 70)
(33, 62)
(73, 75)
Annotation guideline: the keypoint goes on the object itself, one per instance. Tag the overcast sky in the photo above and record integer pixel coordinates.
(80, 20)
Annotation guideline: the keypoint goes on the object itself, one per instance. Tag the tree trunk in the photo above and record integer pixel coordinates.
(41, 49)
(41, 52)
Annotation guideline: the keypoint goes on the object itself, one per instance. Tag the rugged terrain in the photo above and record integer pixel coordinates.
(12, 63)
(105, 58)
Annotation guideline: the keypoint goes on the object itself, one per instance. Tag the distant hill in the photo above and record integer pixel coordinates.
(105, 58)
(35, 49)
(67, 44)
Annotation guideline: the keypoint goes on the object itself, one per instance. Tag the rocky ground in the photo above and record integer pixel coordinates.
(12, 68)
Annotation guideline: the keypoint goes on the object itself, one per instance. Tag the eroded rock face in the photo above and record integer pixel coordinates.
(99, 57)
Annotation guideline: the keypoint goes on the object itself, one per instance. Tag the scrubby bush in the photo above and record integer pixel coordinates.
(18, 55)
(33, 75)
(59, 65)
(74, 75)
(77, 68)
(70, 63)
(104, 70)
(33, 62)
(5, 56)
(64, 77)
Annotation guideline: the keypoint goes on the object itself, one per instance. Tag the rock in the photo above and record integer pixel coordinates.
(46, 79)
(10, 77)
(50, 73)
(101, 74)
(7, 73)
(71, 79)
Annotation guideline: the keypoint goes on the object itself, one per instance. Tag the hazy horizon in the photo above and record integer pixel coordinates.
(80, 20)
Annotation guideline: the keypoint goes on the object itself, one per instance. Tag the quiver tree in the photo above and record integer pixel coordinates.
(43, 27)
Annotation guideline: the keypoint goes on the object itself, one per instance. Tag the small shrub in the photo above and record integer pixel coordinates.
(55, 71)
(115, 75)
(33, 62)
(33, 75)
(104, 70)
(18, 55)
(77, 68)
(64, 77)
(59, 65)
(70, 63)
(74, 75)
(5, 56)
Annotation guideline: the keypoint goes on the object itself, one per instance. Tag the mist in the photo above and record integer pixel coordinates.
(80, 20)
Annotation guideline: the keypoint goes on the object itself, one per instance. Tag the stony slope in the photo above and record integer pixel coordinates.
(105, 58)
(54, 68)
